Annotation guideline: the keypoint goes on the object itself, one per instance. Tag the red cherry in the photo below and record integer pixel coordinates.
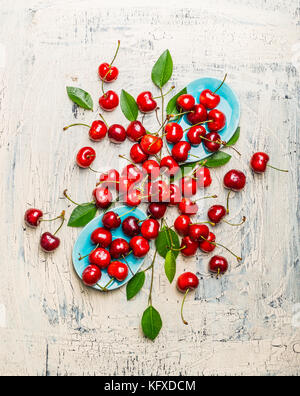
(213, 143)
(186, 281)
(109, 101)
(175, 195)
(49, 242)
(188, 186)
(209, 99)
(117, 134)
(110, 179)
(160, 192)
(235, 180)
(185, 102)
(103, 197)
(195, 135)
(119, 248)
(101, 237)
(118, 270)
(85, 157)
(137, 154)
(140, 246)
(172, 166)
(198, 231)
(219, 120)
(135, 131)
(188, 247)
(132, 173)
(203, 177)
(157, 210)
(198, 114)
(125, 185)
(150, 229)
(174, 132)
(146, 103)
(259, 162)
(182, 225)
(91, 275)
(218, 264)
(134, 198)
(216, 213)
(180, 151)
(152, 169)
(188, 207)
(206, 246)
(100, 257)
(131, 227)
(111, 220)
(108, 73)
(98, 131)
(33, 217)
(151, 145)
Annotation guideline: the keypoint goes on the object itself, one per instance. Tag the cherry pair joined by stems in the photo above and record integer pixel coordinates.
(50, 242)
(185, 283)
(259, 163)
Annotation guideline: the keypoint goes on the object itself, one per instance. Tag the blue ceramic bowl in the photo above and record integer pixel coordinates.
(229, 105)
(83, 246)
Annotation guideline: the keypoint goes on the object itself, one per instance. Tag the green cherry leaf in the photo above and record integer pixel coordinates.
(151, 323)
(129, 106)
(80, 97)
(172, 107)
(162, 70)
(166, 241)
(135, 285)
(82, 215)
(218, 159)
(234, 138)
(170, 266)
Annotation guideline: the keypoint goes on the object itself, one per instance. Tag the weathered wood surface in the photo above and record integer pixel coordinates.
(241, 324)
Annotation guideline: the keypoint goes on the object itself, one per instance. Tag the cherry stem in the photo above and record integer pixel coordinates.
(236, 225)
(103, 119)
(142, 221)
(227, 207)
(116, 54)
(163, 95)
(152, 279)
(69, 199)
(56, 218)
(224, 247)
(79, 124)
(109, 70)
(108, 284)
(221, 84)
(156, 113)
(62, 216)
(199, 123)
(180, 114)
(124, 258)
(178, 250)
(205, 222)
(183, 301)
(211, 196)
(218, 274)
(105, 181)
(280, 170)
(87, 255)
(119, 217)
(122, 156)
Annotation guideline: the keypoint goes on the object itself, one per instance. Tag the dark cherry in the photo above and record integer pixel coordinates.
(137, 154)
(100, 257)
(133, 198)
(146, 103)
(140, 246)
(216, 213)
(111, 220)
(33, 217)
(157, 210)
(118, 270)
(214, 142)
(203, 177)
(218, 264)
(206, 246)
(150, 229)
(117, 134)
(152, 169)
(188, 207)
(135, 131)
(91, 275)
(133, 173)
(109, 101)
(49, 242)
(110, 179)
(131, 226)
(182, 225)
(174, 132)
(188, 247)
(151, 145)
(198, 231)
(103, 197)
(180, 151)
(185, 102)
(119, 248)
(219, 120)
(98, 131)
(108, 73)
(187, 281)
(175, 195)
(195, 135)
(102, 237)
(198, 114)
(188, 186)
(85, 157)
(235, 180)
(169, 163)
(209, 99)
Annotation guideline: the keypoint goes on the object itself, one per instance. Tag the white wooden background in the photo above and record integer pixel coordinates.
(242, 324)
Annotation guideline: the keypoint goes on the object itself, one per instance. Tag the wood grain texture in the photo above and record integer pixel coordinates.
(240, 325)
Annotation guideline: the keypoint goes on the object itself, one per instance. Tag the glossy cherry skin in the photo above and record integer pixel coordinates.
(108, 73)
(216, 213)
(110, 179)
(189, 247)
(100, 257)
(131, 226)
(180, 151)
(91, 275)
(49, 242)
(135, 131)
(146, 103)
(102, 237)
(175, 195)
(132, 173)
(203, 177)
(172, 166)
(33, 217)
(259, 162)
(137, 154)
(118, 271)
(111, 220)
(117, 134)
(119, 248)
(103, 197)
(140, 246)
(198, 114)
(150, 229)
(182, 225)
(109, 101)
(188, 186)
(209, 99)
(125, 185)
(134, 198)
(85, 157)
(160, 192)
(187, 281)
(157, 210)
(185, 102)
(195, 135)
(98, 131)
(235, 180)
(219, 120)
(151, 145)
(218, 264)
(207, 247)
(174, 132)
(152, 169)
(188, 207)
(214, 143)
(198, 232)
